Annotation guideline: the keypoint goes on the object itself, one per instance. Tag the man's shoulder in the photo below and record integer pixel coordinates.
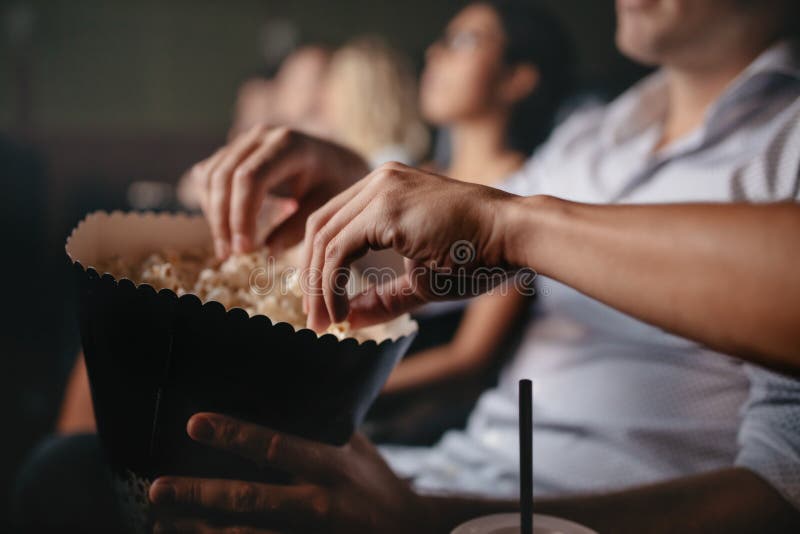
(775, 173)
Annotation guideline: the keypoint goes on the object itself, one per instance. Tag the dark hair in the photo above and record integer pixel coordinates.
(534, 35)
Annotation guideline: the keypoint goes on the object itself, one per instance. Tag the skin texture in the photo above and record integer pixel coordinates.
(731, 285)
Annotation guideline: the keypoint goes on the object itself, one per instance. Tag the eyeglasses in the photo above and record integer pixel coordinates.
(466, 40)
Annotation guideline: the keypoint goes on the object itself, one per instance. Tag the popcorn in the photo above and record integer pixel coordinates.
(258, 283)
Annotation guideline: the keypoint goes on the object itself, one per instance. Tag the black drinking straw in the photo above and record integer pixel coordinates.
(526, 456)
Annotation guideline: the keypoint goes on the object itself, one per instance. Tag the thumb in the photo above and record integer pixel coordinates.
(292, 229)
(380, 303)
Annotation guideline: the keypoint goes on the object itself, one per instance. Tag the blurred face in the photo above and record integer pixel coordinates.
(333, 109)
(657, 32)
(299, 84)
(464, 68)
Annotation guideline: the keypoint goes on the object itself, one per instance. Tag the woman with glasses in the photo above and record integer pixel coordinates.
(494, 82)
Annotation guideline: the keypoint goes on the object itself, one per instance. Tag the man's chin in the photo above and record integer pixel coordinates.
(637, 50)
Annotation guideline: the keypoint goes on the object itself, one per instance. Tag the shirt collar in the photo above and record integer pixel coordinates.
(781, 58)
(644, 106)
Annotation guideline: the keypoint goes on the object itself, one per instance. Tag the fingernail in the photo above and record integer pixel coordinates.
(318, 324)
(222, 249)
(242, 243)
(200, 429)
(162, 492)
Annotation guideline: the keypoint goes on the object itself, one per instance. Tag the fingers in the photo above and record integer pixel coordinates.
(251, 180)
(327, 253)
(313, 224)
(199, 526)
(323, 215)
(234, 181)
(291, 231)
(320, 218)
(305, 459)
(249, 502)
(219, 188)
(201, 176)
(342, 239)
(364, 232)
(392, 299)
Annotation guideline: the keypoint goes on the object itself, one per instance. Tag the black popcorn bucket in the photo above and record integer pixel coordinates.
(154, 359)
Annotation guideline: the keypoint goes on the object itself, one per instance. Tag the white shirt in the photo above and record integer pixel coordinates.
(619, 403)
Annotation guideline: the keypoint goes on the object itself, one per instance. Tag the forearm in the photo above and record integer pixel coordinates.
(77, 413)
(430, 367)
(734, 501)
(724, 275)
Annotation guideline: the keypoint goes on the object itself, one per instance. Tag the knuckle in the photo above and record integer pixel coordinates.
(274, 446)
(391, 234)
(259, 129)
(313, 222)
(245, 498)
(321, 505)
(198, 170)
(193, 493)
(245, 176)
(218, 177)
(385, 174)
(230, 434)
(282, 134)
(396, 166)
(332, 251)
(390, 167)
(320, 240)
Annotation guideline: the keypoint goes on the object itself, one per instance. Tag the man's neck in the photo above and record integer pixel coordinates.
(480, 152)
(693, 89)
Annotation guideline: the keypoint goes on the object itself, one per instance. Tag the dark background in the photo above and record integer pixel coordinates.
(96, 94)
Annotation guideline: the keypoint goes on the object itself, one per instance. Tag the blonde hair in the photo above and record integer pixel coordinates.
(374, 92)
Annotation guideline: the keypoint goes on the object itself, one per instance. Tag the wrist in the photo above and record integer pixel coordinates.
(530, 226)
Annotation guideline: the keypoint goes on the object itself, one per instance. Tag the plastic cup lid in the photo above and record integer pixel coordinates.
(509, 524)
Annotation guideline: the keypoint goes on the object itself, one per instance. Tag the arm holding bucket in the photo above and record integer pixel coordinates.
(350, 489)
